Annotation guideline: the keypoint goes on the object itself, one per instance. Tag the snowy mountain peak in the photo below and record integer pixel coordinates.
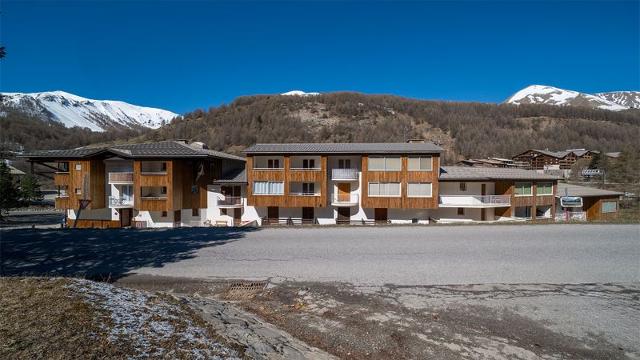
(543, 94)
(73, 110)
(300, 93)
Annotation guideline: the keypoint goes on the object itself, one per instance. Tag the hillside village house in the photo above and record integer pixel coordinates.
(173, 183)
(552, 160)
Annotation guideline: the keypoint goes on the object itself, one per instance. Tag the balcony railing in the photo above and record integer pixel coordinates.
(344, 199)
(475, 200)
(344, 174)
(121, 177)
(301, 193)
(230, 201)
(120, 202)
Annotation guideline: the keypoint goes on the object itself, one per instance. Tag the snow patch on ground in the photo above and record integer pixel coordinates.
(300, 93)
(145, 320)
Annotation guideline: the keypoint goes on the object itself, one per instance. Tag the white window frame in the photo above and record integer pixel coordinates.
(515, 188)
(420, 196)
(606, 202)
(545, 194)
(269, 188)
(419, 163)
(380, 183)
(385, 168)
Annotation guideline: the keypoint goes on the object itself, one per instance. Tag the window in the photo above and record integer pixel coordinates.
(420, 163)
(544, 189)
(609, 207)
(384, 189)
(63, 167)
(344, 163)
(419, 190)
(164, 214)
(78, 191)
(463, 186)
(523, 189)
(273, 164)
(163, 190)
(78, 166)
(543, 212)
(309, 163)
(268, 188)
(308, 188)
(384, 163)
(163, 167)
(195, 212)
(460, 211)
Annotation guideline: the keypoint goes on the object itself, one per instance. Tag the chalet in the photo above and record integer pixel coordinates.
(160, 184)
(173, 183)
(552, 160)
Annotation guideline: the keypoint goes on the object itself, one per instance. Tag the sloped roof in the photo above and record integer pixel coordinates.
(583, 191)
(235, 176)
(490, 173)
(345, 148)
(162, 149)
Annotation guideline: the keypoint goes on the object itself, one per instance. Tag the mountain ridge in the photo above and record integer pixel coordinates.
(550, 95)
(97, 115)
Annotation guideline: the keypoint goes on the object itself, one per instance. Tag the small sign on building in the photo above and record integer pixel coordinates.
(571, 201)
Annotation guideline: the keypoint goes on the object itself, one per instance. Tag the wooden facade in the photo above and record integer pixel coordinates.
(288, 176)
(593, 207)
(404, 177)
(537, 160)
(85, 180)
(506, 187)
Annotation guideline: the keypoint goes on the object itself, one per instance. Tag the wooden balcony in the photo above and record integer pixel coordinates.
(121, 178)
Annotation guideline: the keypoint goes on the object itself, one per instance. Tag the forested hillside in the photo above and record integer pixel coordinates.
(464, 129)
(22, 130)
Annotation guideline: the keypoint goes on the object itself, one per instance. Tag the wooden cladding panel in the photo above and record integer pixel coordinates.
(593, 208)
(94, 224)
(154, 204)
(60, 179)
(306, 175)
(62, 203)
(97, 184)
(404, 177)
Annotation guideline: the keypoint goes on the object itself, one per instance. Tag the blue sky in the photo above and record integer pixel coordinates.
(186, 55)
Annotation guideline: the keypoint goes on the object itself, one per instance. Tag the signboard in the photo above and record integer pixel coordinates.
(571, 201)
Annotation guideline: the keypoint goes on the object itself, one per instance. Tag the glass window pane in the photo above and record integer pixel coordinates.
(376, 163)
(413, 164)
(374, 189)
(393, 164)
(609, 206)
(425, 163)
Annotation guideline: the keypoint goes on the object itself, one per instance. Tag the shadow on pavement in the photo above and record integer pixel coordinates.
(103, 254)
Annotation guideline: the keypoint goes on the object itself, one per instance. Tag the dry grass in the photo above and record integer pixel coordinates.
(41, 318)
(56, 318)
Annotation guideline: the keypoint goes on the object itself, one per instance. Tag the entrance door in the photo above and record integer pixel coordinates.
(273, 214)
(125, 217)
(237, 216)
(380, 215)
(344, 192)
(344, 215)
(307, 215)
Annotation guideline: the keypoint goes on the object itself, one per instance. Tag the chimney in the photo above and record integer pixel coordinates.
(199, 145)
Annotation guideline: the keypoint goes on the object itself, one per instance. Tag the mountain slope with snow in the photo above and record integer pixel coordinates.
(630, 99)
(541, 94)
(300, 93)
(98, 115)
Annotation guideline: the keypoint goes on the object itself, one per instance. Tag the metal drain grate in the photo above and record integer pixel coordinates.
(244, 289)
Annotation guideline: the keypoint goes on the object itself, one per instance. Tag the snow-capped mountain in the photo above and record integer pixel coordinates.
(630, 99)
(300, 93)
(97, 115)
(541, 94)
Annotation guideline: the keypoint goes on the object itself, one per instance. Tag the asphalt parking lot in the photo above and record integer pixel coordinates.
(448, 255)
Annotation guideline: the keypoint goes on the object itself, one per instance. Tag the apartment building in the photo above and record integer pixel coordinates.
(340, 183)
(173, 183)
(161, 184)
